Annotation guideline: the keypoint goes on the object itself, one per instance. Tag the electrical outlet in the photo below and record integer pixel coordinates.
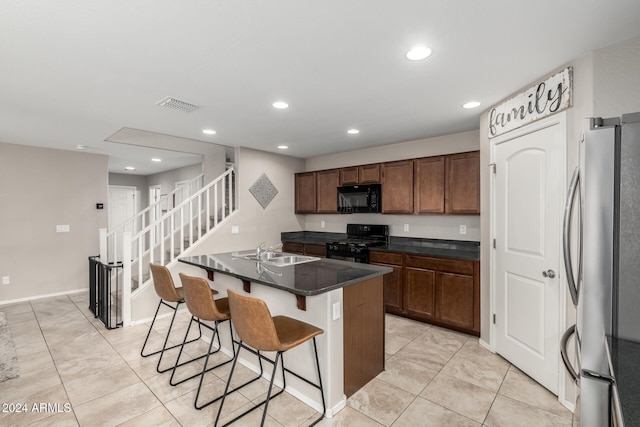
(62, 228)
(322, 223)
(406, 227)
(336, 310)
(235, 229)
(463, 229)
(5, 280)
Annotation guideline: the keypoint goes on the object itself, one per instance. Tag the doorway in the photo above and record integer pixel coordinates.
(122, 206)
(527, 280)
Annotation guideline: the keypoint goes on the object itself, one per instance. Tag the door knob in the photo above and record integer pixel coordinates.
(549, 273)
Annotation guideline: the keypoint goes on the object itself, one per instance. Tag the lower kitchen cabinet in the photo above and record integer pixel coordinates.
(392, 282)
(442, 291)
(304, 249)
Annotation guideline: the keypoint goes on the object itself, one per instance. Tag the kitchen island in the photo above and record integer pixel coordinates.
(343, 298)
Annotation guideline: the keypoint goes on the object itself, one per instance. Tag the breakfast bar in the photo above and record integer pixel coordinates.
(343, 298)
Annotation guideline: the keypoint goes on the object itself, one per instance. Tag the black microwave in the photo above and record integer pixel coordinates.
(359, 198)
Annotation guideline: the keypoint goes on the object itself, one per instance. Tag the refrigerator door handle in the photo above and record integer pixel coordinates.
(563, 352)
(574, 188)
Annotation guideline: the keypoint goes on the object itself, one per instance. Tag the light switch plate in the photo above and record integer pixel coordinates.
(5, 280)
(322, 224)
(62, 228)
(336, 310)
(406, 227)
(463, 229)
(235, 229)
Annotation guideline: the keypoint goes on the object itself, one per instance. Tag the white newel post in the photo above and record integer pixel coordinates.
(126, 279)
(102, 238)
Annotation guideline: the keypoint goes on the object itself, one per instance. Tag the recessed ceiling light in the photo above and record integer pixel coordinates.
(418, 53)
(283, 147)
(280, 105)
(209, 131)
(471, 104)
(81, 147)
(155, 159)
(129, 168)
(353, 131)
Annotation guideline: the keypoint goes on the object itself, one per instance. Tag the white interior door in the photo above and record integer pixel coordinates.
(528, 194)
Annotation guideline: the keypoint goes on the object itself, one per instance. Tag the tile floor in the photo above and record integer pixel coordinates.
(91, 376)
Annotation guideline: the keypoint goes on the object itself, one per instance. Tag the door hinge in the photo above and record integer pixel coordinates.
(494, 243)
(493, 167)
(494, 319)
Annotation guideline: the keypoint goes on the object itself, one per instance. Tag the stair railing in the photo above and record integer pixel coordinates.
(167, 238)
(140, 220)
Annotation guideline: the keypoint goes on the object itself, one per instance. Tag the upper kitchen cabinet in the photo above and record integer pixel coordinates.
(365, 174)
(397, 187)
(327, 191)
(305, 192)
(369, 174)
(462, 184)
(349, 176)
(429, 185)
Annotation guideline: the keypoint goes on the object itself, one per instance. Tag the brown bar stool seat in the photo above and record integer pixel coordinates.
(258, 329)
(168, 293)
(204, 308)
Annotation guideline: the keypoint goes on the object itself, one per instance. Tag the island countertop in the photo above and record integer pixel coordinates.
(306, 279)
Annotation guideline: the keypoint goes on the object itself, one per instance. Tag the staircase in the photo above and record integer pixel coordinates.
(165, 239)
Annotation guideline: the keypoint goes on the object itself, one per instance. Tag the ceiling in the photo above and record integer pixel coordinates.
(78, 71)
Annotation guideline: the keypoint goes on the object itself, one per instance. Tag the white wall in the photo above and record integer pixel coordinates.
(617, 83)
(39, 189)
(426, 226)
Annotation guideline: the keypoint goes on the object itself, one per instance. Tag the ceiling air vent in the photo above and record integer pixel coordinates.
(176, 104)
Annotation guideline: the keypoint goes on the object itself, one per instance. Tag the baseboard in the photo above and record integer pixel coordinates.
(160, 316)
(485, 345)
(57, 294)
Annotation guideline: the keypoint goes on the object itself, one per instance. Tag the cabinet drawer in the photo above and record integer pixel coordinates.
(385, 257)
(315, 250)
(296, 248)
(441, 264)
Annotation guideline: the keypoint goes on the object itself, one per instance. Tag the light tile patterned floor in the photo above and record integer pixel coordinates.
(95, 377)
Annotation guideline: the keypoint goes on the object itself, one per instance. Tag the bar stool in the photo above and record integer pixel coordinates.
(168, 293)
(258, 329)
(203, 307)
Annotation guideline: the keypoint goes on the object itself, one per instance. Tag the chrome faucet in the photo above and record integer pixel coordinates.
(261, 253)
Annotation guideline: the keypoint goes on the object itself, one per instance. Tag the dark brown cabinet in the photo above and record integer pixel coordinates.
(305, 192)
(442, 291)
(429, 184)
(462, 191)
(369, 174)
(304, 249)
(397, 187)
(349, 176)
(392, 281)
(327, 191)
(365, 174)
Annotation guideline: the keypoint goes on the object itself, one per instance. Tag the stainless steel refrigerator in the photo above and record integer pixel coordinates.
(602, 258)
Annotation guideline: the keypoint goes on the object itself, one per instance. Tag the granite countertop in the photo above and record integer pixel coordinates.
(456, 249)
(310, 278)
(625, 361)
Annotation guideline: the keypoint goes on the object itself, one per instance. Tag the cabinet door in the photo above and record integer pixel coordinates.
(369, 174)
(462, 192)
(327, 191)
(429, 185)
(392, 288)
(305, 192)
(455, 300)
(349, 176)
(397, 187)
(419, 293)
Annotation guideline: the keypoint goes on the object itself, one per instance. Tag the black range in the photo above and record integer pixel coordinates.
(360, 237)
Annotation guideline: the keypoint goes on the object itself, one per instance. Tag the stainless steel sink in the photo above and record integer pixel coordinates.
(279, 259)
(285, 260)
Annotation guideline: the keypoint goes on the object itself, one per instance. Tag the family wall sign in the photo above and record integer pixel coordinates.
(549, 96)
